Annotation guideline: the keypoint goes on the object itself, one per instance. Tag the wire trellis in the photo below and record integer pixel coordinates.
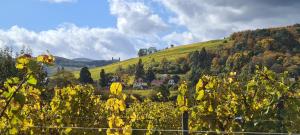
(170, 130)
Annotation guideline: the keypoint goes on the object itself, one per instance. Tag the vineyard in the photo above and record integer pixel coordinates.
(264, 103)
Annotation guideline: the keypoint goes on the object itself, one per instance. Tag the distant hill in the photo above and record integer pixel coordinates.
(81, 62)
(77, 63)
(82, 59)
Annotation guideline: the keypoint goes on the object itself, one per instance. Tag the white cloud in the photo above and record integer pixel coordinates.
(210, 19)
(60, 1)
(136, 18)
(71, 41)
(179, 38)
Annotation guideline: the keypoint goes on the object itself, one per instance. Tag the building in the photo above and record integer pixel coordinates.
(140, 84)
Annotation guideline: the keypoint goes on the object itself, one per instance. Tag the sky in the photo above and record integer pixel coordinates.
(101, 29)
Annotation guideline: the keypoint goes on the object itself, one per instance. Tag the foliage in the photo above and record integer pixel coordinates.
(150, 75)
(262, 104)
(163, 92)
(103, 78)
(265, 102)
(139, 70)
(62, 78)
(7, 65)
(116, 108)
(85, 76)
(142, 52)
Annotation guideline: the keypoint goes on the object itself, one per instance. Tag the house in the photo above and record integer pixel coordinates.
(291, 79)
(157, 83)
(140, 84)
(171, 82)
(114, 79)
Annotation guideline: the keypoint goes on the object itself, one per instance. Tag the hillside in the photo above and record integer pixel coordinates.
(276, 48)
(170, 54)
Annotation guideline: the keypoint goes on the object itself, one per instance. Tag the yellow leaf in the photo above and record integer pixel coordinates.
(119, 122)
(232, 73)
(210, 108)
(200, 95)
(127, 130)
(19, 66)
(40, 58)
(116, 88)
(133, 117)
(210, 85)
(230, 80)
(111, 121)
(122, 105)
(180, 100)
(13, 131)
(199, 85)
(72, 92)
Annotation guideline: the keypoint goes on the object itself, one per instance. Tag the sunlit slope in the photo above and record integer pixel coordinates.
(170, 54)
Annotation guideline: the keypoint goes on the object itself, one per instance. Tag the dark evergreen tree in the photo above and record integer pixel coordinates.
(103, 78)
(85, 76)
(193, 59)
(150, 75)
(142, 52)
(139, 70)
(204, 59)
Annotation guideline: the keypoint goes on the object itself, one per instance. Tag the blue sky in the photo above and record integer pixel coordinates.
(101, 29)
(41, 15)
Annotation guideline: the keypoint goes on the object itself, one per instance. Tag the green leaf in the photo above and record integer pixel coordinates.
(20, 98)
(32, 80)
(68, 130)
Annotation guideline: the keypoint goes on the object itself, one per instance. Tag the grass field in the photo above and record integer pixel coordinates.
(171, 54)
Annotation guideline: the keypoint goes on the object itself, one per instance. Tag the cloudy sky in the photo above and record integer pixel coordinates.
(101, 29)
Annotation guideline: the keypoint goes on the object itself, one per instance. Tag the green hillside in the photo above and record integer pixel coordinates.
(170, 54)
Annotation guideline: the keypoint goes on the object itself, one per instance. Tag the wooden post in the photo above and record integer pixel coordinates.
(185, 123)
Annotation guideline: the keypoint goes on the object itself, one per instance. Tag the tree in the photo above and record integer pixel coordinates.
(204, 59)
(62, 79)
(150, 75)
(85, 75)
(164, 65)
(7, 65)
(103, 78)
(142, 52)
(139, 70)
(193, 59)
